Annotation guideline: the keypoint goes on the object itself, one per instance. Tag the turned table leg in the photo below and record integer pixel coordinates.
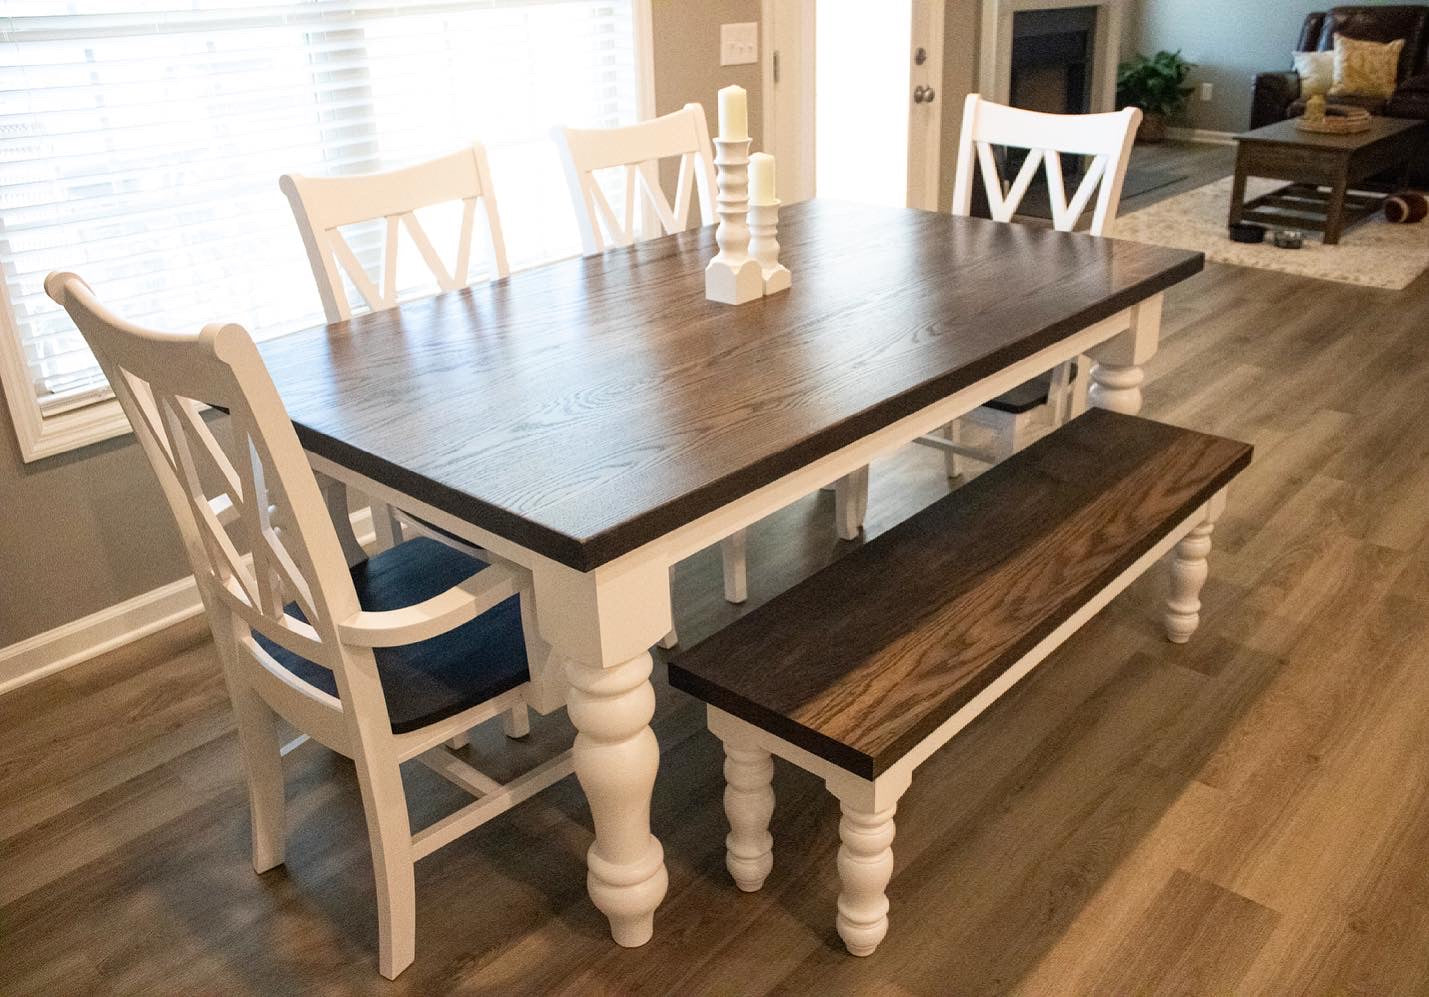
(1117, 388)
(616, 757)
(1117, 364)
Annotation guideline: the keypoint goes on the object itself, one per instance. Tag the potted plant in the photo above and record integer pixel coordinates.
(1157, 85)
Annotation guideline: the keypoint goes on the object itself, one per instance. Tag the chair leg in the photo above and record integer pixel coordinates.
(386, 525)
(748, 804)
(851, 503)
(736, 567)
(384, 803)
(262, 750)
(1012, 436)
(517, 721)
(865, 867)
(459, 741)
(1059, 394)
(1080, 385)
(953, 462)
(1188, 574)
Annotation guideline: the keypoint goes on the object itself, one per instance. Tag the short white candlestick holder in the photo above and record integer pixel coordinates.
(733, 277)
(764, 246)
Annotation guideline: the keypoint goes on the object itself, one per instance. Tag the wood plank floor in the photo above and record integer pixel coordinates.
(1245, 814)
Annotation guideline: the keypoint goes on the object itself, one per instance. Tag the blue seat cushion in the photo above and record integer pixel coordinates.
(436, 678)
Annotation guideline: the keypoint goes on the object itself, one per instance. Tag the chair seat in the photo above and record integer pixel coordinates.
(1027, 396)
(436, 678)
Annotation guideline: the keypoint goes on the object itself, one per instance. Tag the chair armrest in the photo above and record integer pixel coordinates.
(1271, 94)
(458, 605)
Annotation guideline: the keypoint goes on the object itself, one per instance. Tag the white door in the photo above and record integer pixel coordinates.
(851, 98)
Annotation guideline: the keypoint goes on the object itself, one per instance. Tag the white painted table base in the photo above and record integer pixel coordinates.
(601, 624)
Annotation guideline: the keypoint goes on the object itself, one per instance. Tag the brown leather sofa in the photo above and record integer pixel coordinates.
(1277, 95)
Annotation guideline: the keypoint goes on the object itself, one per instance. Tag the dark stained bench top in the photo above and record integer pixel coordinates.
(863, 660)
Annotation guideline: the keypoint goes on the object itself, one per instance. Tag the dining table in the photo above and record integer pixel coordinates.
(597, 420)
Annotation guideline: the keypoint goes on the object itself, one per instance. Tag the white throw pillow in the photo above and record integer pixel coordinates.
(1317, 73)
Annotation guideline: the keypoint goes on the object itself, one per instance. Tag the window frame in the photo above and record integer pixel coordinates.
(42, 434)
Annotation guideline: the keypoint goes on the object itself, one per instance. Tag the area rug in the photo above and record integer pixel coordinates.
(1373, 253)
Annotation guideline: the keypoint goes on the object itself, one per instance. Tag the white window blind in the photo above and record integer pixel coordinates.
(141, 142)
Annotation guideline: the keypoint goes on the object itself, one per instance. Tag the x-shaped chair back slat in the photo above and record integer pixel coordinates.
(322, 206)
(635, 151)
(1105, 139)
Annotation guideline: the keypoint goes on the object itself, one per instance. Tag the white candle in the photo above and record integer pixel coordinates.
(733, 114)
(761, 178)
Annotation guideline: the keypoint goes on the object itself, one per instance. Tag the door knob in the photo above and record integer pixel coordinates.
(923, 95)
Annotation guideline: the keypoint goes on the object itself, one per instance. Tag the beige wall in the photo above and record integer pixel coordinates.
(962, 21)
(88, 529)
(687, 68)
(77, 533)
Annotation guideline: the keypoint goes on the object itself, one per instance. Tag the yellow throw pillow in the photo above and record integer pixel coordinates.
(1365, 69)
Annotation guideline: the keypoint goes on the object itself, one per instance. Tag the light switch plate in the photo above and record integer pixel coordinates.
(739, 43)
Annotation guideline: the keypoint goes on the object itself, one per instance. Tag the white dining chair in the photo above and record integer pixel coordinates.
(324, 206)
(381, 659)
(1034, 409)
(635, 152)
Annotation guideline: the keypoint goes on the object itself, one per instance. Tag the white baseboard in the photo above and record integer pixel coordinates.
(1204, 135)
(113, 627)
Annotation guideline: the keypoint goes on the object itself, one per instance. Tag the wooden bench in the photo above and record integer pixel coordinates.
(861, 672)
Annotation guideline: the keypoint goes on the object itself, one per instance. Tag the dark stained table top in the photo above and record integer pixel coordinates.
(586, 407)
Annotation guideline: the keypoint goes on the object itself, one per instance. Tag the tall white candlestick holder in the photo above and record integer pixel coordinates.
(764, 246)
(733, 276)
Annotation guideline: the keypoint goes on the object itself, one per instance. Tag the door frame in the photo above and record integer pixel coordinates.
(788, 28)
(790, 137)
(925, 158)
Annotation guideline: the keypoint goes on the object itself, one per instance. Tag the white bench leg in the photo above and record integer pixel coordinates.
(1188, 574)
(865, 867)
(748, 804)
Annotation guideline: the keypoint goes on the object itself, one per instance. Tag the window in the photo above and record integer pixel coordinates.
(141, 144)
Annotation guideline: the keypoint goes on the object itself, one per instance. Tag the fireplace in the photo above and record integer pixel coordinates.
(1063, 50)
(1057, 56)
(1052, 56)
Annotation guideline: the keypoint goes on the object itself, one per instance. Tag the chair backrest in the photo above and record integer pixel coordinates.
(1106, 138)
(268, 493)
(638, 148)
(322, 205)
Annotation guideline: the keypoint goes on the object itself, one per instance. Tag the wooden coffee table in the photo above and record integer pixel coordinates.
(1329, 191)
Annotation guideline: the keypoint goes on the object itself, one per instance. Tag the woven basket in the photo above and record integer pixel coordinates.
(1337, 121)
